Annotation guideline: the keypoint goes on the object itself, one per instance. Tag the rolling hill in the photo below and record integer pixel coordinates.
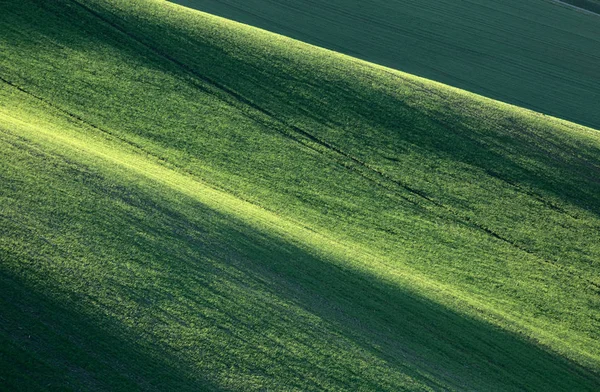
(538, 54)
(188, 203)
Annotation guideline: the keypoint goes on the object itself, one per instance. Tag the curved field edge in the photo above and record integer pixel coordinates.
(537, 54)
(367, 169)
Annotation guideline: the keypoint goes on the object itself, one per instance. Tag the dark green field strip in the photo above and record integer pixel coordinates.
(534, 54)
(589, 5)
(49, 345)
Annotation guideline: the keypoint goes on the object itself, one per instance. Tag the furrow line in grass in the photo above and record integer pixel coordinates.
(458, 217)
(570, 271)
(189, 70)
(536, 196)
(77, 117)
(454, 215)
(420, 87)
(111, 134)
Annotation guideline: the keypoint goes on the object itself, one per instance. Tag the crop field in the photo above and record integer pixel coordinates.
(588, 5)
(537, 54)
(188, 203)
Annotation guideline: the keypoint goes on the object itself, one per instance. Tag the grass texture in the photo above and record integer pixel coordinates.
(538, 54)
(188, 203)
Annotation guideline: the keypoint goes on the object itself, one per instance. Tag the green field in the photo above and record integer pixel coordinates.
(589, 5)
(187, 203)
(532, 53)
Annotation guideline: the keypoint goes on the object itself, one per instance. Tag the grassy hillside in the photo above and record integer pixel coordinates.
(537, 54)
(188, 203)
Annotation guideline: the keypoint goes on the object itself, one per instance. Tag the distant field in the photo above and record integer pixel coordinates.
(590, 5)
(531, 53)
(188, 203)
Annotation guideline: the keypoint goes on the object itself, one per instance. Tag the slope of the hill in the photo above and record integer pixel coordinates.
(191, 203)
(537, 54)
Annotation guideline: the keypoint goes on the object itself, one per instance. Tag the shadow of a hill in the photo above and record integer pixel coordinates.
(49, 344)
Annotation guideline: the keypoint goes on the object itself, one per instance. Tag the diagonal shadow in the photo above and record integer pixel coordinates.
(49, 344)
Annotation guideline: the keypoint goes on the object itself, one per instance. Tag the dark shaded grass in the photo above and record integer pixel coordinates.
(49, 345)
